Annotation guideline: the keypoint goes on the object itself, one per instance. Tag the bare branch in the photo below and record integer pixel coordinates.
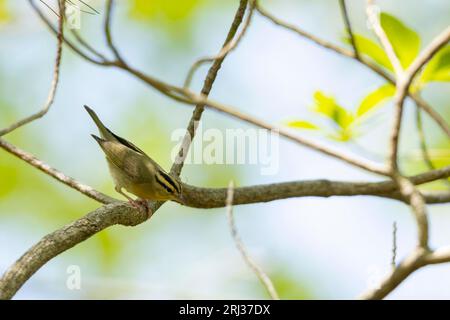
(394, 244)
(86, 45)
(107, 31)
(54, 84)
(206, 89)
(66, 41)
(413, 262)
(262, 276)
(230, 46)
(422, 139)
(201, 101)
(63, 239)
(417, 259)
(121, 213)
(303, 33)
(58, 175)
(353, 160)
(348, 28)
(440, 121)
(402, 88)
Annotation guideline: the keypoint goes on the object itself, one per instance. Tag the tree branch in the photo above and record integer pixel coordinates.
(58, 175)
(374, 19)
(107, 31)
(348, 28)
(440, 121)
(400, 188)
(262, 276)
(121, 213)
(226, 49)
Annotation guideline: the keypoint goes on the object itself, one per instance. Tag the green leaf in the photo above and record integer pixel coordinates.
(373, 50)
(301, 124)
(374, 98)
(404, 40)
(438, 69)
(328, 107)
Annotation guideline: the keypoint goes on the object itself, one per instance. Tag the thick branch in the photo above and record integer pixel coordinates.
(63, 239)
(262, 276)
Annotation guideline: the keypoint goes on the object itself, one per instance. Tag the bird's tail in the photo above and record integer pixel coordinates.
(105, 133)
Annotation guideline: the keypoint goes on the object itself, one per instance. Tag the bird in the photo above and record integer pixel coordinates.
(133, 170)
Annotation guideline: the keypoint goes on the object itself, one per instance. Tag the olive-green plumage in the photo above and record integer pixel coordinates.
(132, 169)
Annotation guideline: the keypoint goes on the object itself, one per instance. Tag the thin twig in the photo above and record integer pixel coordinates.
(414, 261)
(87, 46)
(394, 244)
(54, 84)
(65, 238)
(423, 144)
(402, 87)
(230, 46)
(201, 101)
(206, 89)
(374, 19)
(348, 28)
(58, 175)
(353, 160)
(107, 31)
(262, 276)
(417, 203)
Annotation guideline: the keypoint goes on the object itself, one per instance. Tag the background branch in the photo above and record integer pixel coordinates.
(63, 239)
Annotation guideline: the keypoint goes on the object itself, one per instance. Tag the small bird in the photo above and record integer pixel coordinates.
(133, 170)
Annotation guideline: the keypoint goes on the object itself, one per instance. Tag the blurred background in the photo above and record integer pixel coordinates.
(312, 248)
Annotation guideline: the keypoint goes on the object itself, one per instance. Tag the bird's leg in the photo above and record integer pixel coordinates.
(139, 204)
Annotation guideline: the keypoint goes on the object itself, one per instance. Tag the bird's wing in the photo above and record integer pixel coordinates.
(129, 162)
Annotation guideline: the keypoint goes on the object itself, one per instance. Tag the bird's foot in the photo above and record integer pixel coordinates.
(142, 206)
